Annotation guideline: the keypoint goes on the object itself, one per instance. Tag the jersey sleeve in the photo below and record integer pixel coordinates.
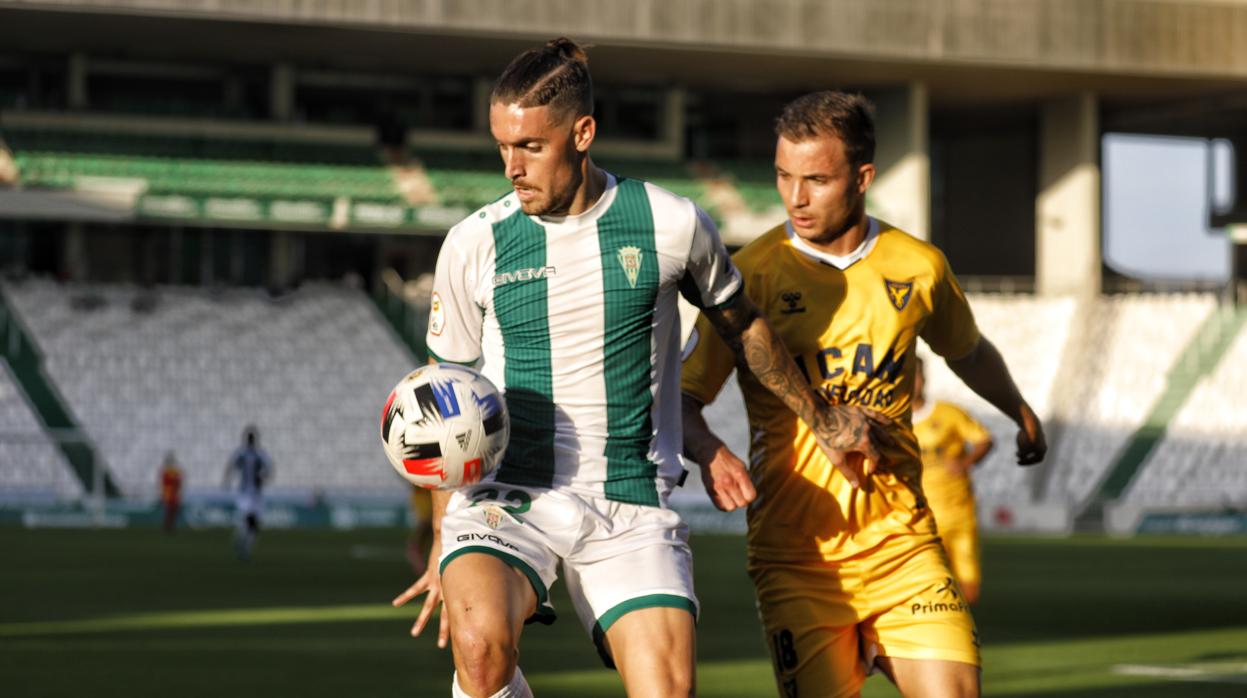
(708, 362)
(710, 279)
(455, 318)
(950, 331)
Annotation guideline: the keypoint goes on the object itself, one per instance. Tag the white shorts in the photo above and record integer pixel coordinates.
(247, 504)
(616, 557)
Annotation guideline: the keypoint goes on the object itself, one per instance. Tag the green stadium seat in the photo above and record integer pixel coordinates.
(468, 179)
(754, 180)
(203, 166)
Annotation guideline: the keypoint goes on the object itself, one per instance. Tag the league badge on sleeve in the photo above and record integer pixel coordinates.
(437, 315)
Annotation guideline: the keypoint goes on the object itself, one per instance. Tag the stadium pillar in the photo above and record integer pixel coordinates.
(901, 193)
(279, 260)
(1235, 221)
(281, 92)
(74, 263)
(1067, 206)
(673, 119)
(76, 81)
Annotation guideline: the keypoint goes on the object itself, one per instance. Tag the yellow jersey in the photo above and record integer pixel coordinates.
(943, 433)
(852, 330)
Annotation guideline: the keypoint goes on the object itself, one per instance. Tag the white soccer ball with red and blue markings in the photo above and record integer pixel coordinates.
(444, 426)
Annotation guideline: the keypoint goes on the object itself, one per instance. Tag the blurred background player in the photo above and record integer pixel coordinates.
(254, 469)
(845, 557)
(170, 491)
(952, 443)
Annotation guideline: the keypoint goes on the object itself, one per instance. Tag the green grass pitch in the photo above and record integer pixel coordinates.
(135, 613)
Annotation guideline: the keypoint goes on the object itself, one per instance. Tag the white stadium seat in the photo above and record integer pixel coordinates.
(311, 370)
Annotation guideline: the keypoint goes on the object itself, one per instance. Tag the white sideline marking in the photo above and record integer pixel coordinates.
(1212, 672)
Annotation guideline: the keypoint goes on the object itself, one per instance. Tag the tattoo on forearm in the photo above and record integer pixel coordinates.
(760, 350)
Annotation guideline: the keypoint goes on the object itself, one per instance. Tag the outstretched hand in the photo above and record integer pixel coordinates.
(1031, 443)
(851, 437)
(431, 582)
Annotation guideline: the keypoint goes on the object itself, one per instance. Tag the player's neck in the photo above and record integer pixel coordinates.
(592, 186)
(846, 240)
(918, 403)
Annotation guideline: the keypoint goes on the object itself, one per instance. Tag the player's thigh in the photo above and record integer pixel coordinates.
(486, 597)
(484, 537)
(931, 678)
(637, 558)
(811, 628)
(654, 650)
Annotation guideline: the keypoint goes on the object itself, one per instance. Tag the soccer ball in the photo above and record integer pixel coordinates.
(444, 426)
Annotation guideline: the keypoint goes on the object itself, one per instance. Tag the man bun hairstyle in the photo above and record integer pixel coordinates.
(849, 117)
(555, 75)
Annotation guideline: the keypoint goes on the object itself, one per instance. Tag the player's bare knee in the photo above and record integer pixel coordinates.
(663, 675)
(484, 657)
(968, 684)
(680, 680)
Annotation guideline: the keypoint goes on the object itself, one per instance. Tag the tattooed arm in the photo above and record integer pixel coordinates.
(840, 430)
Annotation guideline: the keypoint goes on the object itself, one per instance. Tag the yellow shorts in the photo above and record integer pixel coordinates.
(825, 622)
(421, 504)
(962, 545)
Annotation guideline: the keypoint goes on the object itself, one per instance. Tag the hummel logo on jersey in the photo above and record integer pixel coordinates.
(630, 260)
(793, 299)
(899, 293)
(530, 274)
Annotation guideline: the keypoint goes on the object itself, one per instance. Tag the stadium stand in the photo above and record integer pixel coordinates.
(469, 179)
(187, 369)
(1132, 342)
(201, 166)
(754, 181)
(1200, 462)
(33, 468)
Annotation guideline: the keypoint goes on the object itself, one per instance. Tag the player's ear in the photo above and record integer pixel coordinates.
(865, 176)
(583, 131)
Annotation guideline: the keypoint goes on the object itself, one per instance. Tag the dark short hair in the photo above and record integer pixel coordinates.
(555, 75)
(849, 117)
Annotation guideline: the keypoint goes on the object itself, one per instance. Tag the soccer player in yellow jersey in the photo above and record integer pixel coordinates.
(844, 556)
(952, 443)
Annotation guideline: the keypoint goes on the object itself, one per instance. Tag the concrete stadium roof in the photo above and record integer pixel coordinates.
(1157, 54)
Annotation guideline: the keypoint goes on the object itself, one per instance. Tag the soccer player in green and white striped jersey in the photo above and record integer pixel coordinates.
(563, 292)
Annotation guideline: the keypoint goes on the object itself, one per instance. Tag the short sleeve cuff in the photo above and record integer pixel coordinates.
(443, 360)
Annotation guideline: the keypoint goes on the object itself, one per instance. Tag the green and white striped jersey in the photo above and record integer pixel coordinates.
(575, 320)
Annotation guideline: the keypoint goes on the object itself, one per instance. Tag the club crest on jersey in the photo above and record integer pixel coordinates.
(899, 293)
(493, 515)
(630, 260)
